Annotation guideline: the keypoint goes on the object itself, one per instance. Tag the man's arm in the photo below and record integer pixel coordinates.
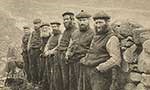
(47, 45)
(46, 49)
(113, 47)
(60, 37)
(29, 41)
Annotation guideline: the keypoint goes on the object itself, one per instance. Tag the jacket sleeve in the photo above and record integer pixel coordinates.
(113, 47)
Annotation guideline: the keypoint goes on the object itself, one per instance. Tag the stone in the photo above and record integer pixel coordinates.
(144, 58)
(130, 86)
(146, 79)
(135, 77)
(141, 86)
(128, 54)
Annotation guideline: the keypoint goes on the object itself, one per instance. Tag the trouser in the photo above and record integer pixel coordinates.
(95, 80)
(56, 75)
(46, 79)
(119, 78)
(74, 72)
(84, 79)
(42, 68)
(34, 65)
(60, 55)
(26, 65)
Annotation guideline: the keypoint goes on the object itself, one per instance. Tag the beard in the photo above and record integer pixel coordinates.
(102, 29)
(68, 25)
(83, 27)
(55, 32)
(36, 28)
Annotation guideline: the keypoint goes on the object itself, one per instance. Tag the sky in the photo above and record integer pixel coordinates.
(24, 11)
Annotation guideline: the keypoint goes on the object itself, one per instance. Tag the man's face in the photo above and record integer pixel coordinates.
(45, 30)
(55, 27)
(83, 23)
(37, 26)
(26, 31)
(99, 25)
(67, 21)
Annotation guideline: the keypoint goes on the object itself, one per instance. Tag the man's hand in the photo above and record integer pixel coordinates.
(101, 69)
(82, 61)
(46, 53)
(67, 57)
(68, 54)
(49, 52)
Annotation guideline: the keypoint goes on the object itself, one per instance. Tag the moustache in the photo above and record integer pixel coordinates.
(82, 25)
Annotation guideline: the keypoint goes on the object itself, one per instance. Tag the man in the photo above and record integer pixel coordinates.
(12, 57)
(68, 20)
(24, 53)
(53, 67)
(81, 40)
(104, 54)
(34, 46)
(45, 35)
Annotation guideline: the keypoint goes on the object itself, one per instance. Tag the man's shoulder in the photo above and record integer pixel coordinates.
(114, 38)
(91, 31)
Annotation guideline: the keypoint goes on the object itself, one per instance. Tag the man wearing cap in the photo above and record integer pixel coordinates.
(53, 66)
(24, 53)
(44, 34)
(34, 46)
(104, 54)
(68, 20)
(81, 40)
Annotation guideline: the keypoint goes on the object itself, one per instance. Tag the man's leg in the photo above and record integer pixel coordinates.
(99, 80)
(64, 70)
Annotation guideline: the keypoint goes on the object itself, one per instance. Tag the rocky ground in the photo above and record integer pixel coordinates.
(16, 13)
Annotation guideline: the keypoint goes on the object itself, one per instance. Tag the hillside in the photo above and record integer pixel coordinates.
(16, 13)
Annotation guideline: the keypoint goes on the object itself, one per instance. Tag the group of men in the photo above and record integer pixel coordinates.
(77, 59)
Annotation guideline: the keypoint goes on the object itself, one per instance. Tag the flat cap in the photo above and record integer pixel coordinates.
(36, 21)
(26, 27)
(55, 22)
(101, 15)
(44, 24)
(83, 14)
(68, 13)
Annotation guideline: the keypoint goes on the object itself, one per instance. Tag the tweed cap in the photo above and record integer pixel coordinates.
(36, 21)
(55, 22)
(26, 27)
(45, 24)
(101, 15)
(83, 14)
(68, 13)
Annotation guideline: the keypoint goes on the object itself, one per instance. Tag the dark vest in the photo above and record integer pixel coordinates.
(44, 42)
(65, 40)
(53, 41)
(81, 43)
(98, 52)
(25, 40)
(36, 41)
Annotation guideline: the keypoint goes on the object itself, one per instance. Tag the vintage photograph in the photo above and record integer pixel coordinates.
(75, 45)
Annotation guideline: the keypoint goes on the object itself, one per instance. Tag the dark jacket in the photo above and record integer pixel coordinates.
(81, 41)
(98, 52)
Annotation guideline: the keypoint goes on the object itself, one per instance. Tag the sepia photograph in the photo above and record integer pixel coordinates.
(74, 45)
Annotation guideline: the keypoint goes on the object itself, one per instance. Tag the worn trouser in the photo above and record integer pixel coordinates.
(95, 80)
(26, 65)
(42, 67)
(119, 78)
(74, 71)
(64, 69)
(34, 65)
(84, 79)
(46, 79)
(56, 75)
